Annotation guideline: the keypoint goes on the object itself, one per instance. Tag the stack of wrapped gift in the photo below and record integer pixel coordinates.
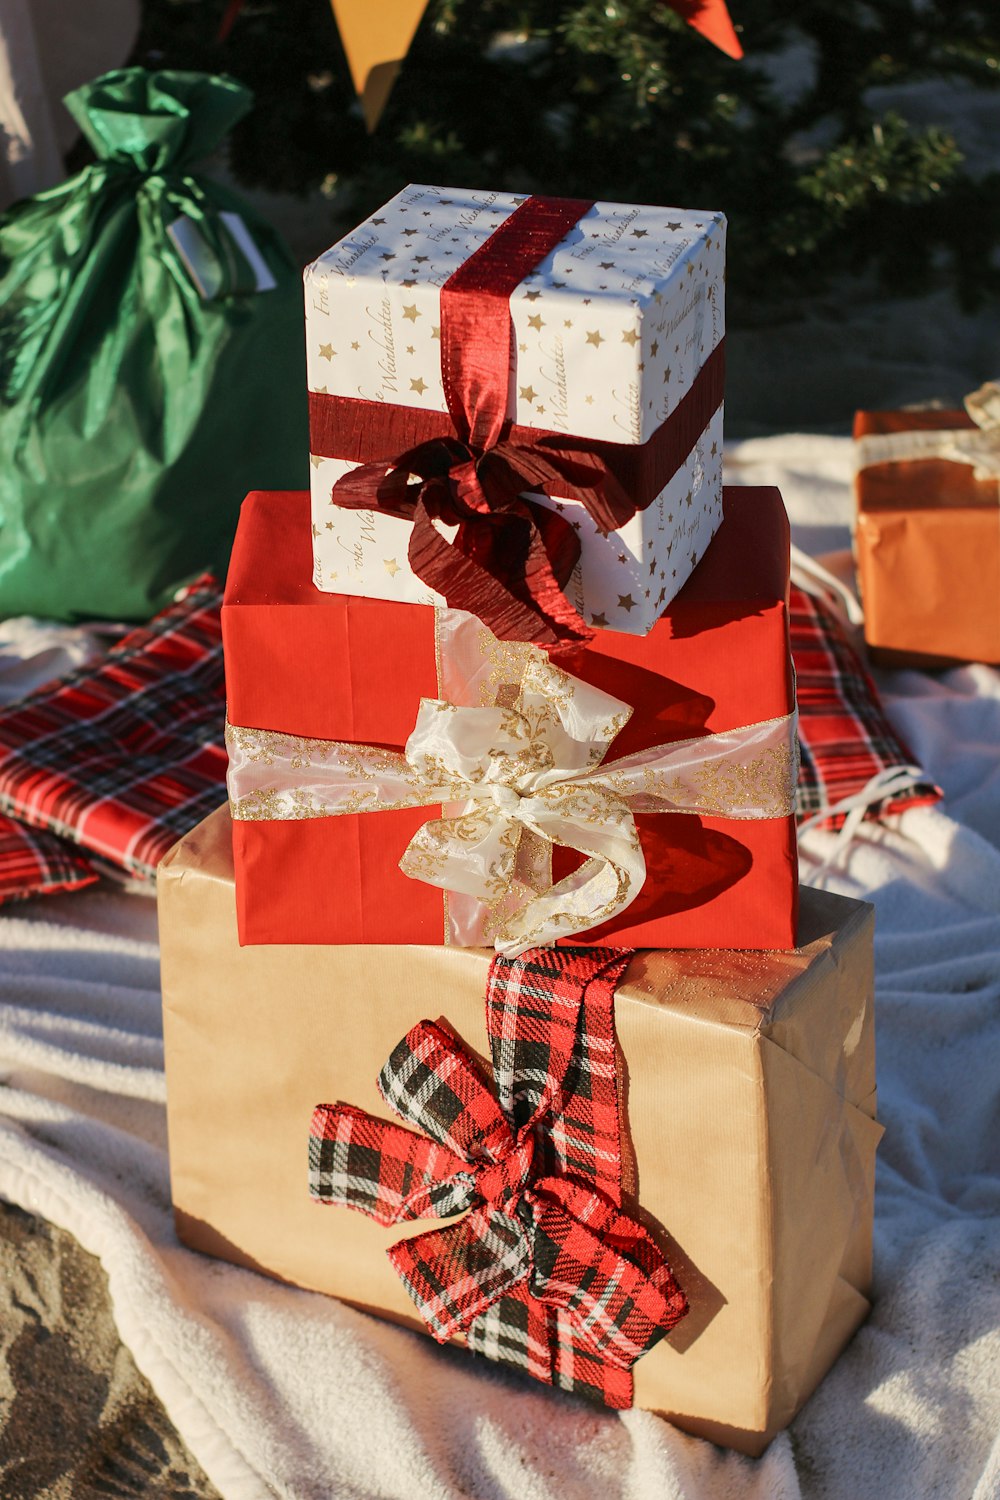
(502, 925)
(927, 535)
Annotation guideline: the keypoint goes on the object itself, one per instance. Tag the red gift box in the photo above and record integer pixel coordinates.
(337, 667)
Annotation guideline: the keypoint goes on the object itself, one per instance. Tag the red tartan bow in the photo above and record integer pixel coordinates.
(575, 1250)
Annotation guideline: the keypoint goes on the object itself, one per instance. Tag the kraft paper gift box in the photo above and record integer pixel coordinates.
(747, 1107)
(601, 327)
(927, 539)
(329, 667)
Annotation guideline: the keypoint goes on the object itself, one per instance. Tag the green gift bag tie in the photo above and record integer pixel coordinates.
(151, 358)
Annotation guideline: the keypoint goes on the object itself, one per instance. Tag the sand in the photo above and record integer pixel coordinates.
(77, 1419)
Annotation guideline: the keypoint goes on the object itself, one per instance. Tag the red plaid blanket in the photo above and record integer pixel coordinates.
(123, 757)
(36, 863)
(844, 735)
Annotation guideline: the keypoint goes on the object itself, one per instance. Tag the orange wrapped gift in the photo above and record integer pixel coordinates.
(677, 791)
(927, 539)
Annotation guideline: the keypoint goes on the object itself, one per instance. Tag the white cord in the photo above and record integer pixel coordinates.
(811, 576)
(885, 783)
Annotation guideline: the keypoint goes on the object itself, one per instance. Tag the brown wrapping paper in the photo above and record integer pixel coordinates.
(927, 546)
(748, 1094)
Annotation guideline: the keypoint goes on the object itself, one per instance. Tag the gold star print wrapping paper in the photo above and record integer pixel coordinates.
(610, 332)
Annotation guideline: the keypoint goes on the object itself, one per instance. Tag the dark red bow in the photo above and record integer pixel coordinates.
(511, 558)
(529, 1229)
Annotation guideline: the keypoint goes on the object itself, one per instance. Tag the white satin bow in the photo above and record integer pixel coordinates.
(523, 778)
(528, 769)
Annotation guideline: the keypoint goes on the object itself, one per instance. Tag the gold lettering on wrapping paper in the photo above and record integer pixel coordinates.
(587, 248)
(481, 204)
(352, 253)
(716, 313)
(552, 370)
(381, 335)
(465, 219)
(631, 405)
(670, 325)
(355, 550)
(621, 225)
(366, 529)
(574, 591)
(603, 241)
(668, 256)
(320, 295)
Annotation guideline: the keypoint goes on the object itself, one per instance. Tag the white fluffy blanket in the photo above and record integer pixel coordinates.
(285, 1393)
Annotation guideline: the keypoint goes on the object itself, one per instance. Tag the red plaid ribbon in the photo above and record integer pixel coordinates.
(545, 1272)
(844, 735)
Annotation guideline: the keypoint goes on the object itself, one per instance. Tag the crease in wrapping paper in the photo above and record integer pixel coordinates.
(766, 1221)
(927, 548)
(710, 876)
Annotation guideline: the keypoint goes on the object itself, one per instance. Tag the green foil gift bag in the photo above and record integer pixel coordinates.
(151, 360)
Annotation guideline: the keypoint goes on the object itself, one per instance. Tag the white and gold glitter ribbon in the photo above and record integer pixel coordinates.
(514, 780)
(978, 446)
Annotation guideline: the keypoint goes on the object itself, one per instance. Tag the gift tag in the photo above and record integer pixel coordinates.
(202, 263)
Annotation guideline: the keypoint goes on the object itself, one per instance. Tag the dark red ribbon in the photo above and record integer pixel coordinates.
(511, 558)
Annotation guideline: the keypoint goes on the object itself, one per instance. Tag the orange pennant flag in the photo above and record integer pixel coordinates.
(712, 19)
(376, 36)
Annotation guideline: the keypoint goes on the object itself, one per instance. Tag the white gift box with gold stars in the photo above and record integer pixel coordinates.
(609, 334)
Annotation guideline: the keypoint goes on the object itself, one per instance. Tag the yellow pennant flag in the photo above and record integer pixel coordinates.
(376, 36)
